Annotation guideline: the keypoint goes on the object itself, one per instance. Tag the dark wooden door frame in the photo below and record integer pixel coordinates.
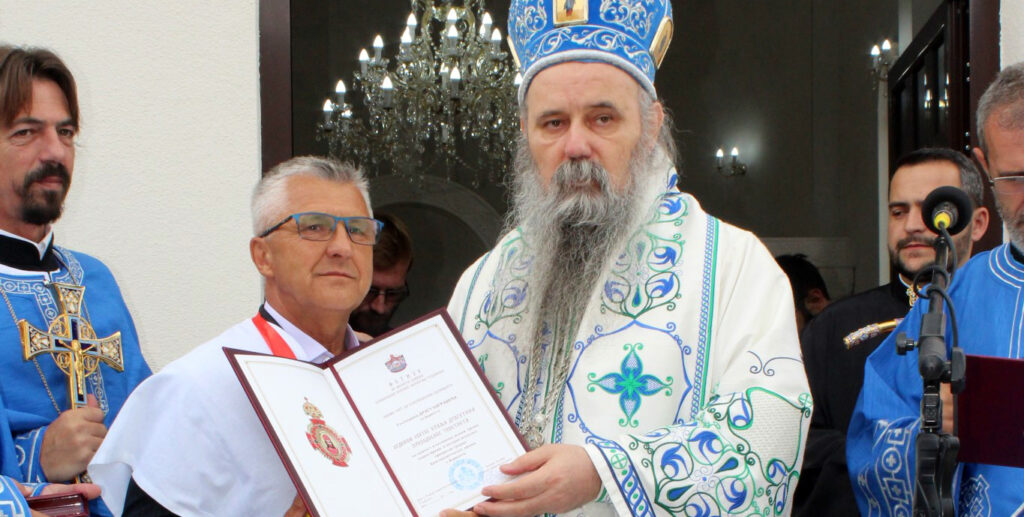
(275, 81)
(972, 46)
(945, 27)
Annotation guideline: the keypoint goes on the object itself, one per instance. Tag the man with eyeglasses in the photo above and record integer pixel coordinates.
(986, 294)
(187, 442)
(392, 259)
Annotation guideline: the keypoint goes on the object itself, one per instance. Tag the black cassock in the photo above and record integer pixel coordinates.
(836, 374)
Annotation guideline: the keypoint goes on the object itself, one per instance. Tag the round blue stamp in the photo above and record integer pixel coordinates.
(466, 474)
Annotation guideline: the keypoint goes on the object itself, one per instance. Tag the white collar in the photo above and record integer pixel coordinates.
(308, 348)
(41, 245)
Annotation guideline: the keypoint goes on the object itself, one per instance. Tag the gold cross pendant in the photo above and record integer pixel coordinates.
(72, 342)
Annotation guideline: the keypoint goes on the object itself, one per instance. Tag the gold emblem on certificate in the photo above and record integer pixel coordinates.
(325, 439)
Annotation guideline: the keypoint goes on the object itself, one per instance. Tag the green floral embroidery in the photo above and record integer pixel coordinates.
(630, 384)
(497, 387)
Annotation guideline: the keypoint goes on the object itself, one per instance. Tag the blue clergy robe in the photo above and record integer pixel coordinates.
(29, 404)
(987, 295)
(12, 503)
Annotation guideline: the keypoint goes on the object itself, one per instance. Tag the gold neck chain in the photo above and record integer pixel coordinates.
(14, 316)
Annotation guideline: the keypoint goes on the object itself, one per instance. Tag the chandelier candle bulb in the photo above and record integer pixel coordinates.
(719, 156)
(339, 92)
(406, 40)
(328, 111)
(496, 40)
(452, 17)
(410, 22)
(364, 58)
(485, 23)
(456, 77)
(378, 47)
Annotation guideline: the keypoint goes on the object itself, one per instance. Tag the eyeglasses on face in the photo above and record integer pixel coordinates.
(390, 295)
(1008, 184)
(318, 226)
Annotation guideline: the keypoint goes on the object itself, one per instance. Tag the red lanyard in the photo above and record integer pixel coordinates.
(277, 345)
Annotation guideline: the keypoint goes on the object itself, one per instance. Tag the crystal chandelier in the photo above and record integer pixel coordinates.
(446, 102)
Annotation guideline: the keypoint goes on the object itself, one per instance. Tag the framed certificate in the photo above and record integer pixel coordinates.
(404, 425)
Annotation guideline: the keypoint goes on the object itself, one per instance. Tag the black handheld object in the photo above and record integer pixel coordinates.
(948, 206)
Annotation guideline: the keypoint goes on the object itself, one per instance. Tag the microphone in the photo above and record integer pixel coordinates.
(947, 207)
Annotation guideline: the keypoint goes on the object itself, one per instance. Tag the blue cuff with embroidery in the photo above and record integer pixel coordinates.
(12, 503)
(29, 445)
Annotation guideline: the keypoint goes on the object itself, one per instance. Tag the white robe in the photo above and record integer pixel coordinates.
(191, 439)
(686, 384)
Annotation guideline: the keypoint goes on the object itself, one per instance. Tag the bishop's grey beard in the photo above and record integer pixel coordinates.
(573, 228)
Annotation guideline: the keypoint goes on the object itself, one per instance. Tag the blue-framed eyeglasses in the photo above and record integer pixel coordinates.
(318, 226)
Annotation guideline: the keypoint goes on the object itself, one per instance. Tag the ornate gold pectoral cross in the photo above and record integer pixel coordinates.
(72, 342)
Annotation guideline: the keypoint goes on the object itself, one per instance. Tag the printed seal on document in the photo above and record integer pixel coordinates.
(466, 474)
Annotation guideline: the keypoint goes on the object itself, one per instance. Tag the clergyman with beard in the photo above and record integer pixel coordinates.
(646, 350)
(835, 368)
(52, 437)
(986, 293)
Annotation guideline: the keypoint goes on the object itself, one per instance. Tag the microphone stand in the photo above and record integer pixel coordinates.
(936, 450)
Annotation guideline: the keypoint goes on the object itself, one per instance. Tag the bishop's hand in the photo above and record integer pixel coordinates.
(554, 478)
(71, 440)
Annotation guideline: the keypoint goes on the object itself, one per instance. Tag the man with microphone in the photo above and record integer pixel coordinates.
(837, 342)
(986, 294)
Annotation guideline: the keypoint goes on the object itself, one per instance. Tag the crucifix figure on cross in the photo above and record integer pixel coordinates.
(73, 343)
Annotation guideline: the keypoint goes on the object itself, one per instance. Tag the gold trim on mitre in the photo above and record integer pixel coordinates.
(512, 50)
(577, 16)
(659, 47)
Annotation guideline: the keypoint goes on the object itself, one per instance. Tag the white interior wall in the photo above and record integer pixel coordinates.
(1011, 31)
(169, 151)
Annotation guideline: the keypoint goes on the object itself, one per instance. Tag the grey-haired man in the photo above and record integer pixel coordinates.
(646, 350)
(187, 442)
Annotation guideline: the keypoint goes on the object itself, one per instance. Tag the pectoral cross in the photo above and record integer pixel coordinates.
(72, 342)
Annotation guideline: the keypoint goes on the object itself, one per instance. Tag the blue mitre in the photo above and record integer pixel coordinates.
(630, 34)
